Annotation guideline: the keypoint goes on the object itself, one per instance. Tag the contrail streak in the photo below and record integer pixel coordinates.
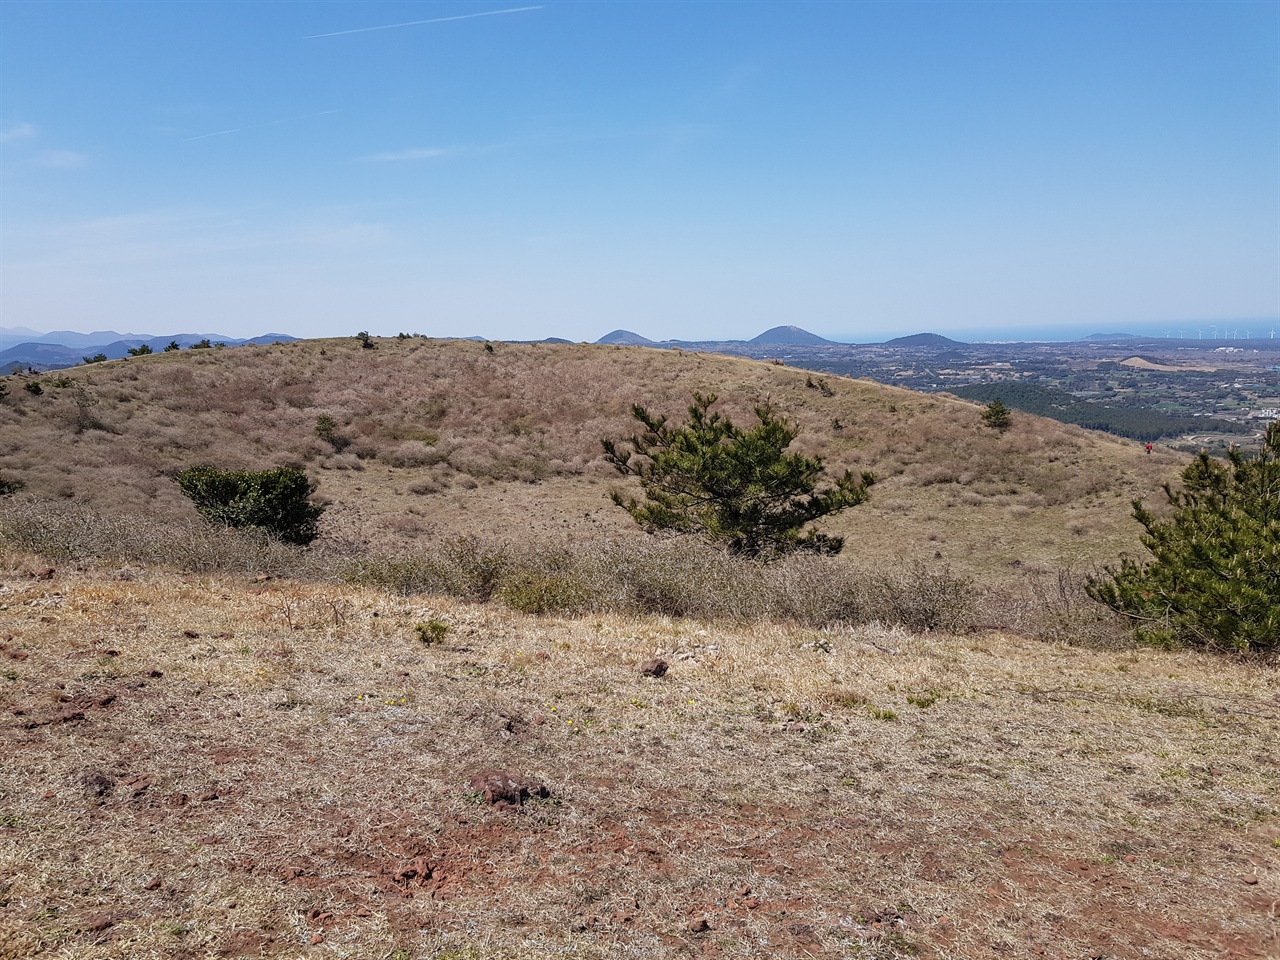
(256, 126)
(414, 23)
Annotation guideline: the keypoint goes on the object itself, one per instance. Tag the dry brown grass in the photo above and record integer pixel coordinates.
(441, 438)
(195, 766)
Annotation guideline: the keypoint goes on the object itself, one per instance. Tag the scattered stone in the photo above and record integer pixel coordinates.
(317, 938)
(207, 796)
(100, 923)
(420, 870)
(1251, 880)
(501, 788)
(653, 668)
(153, 884)
(177, 799)
(191, 634)
(699, 925)
(44, 573)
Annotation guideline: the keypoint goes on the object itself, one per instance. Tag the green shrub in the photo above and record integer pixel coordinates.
(8, 487)
(32, 387)
(140, 351)
(172, 346)
(275, 500)
(736, 488)
(96, 358)
(1214, 576)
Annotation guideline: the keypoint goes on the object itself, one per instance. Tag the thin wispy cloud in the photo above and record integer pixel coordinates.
(413, 153)
(415, 23)
(177, 235)
(257, 126)
(62, 159)
(23, 131)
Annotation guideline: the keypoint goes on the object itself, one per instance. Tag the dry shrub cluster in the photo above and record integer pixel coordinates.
(677, 578)
(1052, 605)
(674, 577)
(75, 533)
(670, 577)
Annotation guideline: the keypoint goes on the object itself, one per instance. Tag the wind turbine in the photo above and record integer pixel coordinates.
(1199, 334)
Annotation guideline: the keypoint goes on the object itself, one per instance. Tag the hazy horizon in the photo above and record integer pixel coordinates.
(1223, 330)
(688, 171)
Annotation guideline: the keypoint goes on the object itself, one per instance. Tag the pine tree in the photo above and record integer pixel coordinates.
(997, 416)
(734, 487)
(1214, 576)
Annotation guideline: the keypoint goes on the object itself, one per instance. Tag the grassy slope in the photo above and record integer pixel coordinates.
(196, 767)
(446, 438)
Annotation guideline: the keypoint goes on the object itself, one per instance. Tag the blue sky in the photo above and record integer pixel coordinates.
(681, 169)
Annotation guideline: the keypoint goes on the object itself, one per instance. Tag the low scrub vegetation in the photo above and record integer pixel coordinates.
(670, 577)
(678, 578)
(70, 532)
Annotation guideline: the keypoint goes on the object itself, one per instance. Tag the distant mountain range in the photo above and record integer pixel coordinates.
(783, 336)
(25, 348)
(66, 348)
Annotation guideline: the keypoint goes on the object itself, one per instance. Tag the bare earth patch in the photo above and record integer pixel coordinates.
(210, 767)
